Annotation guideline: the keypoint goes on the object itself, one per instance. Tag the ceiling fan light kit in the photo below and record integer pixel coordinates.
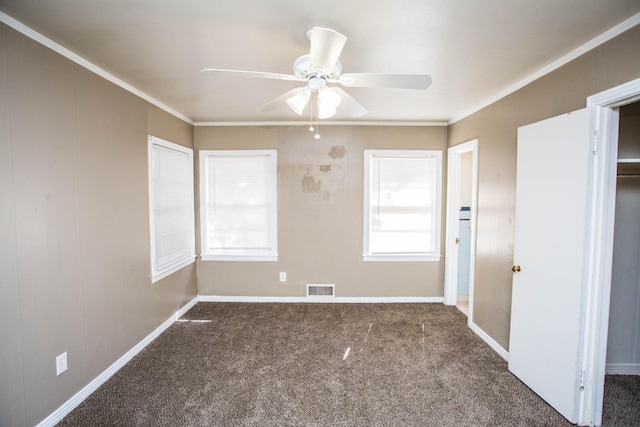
(299, 101)
(328, 102)
(321, 67)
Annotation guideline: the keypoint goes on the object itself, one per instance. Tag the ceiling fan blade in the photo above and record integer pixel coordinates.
(258, 74)
(348, 105)
(399, 81)
(326, 46)
(282, 99)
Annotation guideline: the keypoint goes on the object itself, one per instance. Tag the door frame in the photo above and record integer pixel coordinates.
(453, 219)
(603, 129)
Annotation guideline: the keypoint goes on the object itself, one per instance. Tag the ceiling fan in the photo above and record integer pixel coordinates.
(320, 68)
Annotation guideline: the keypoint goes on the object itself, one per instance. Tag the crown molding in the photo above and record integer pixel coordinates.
(322, 123)
(591, 44)
(43, 40)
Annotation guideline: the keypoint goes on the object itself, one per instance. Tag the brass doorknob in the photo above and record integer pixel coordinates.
(515, 268)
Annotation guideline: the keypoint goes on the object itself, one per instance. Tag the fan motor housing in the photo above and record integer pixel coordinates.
(301, 68)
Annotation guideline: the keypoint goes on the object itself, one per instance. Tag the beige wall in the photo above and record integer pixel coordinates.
(563, 90)
(74, 227)
(320, 232)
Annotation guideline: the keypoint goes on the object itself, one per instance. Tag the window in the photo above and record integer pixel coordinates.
(238, 205)
(402, 205)
(171, 207)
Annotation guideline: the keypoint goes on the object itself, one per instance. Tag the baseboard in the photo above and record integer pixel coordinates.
(56, 416)
(492, 343)
(350, 300)
(622, 368)
(463, 298)
(188, 306)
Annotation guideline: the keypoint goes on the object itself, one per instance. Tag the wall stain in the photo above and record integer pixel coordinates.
(337, 152)
(310, 185)
(321, 182)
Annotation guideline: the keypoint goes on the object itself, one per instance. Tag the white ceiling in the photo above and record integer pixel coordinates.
(475, 50)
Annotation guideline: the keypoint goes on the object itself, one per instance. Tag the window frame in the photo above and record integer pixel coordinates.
(435, 255)
(156, 273)
(235, 254)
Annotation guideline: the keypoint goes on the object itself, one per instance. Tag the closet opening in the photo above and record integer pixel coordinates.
(622, 371)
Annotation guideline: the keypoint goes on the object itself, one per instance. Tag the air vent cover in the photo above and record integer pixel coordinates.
(321, 290)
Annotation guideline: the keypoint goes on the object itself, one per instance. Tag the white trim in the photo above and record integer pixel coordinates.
(172, 270)
(452, 222)
(623, 368)
(188, 306)
(400, 257)
(232, 258)
(344, 300)
(581, 50)
(168, 144)
(323, 123)
(603, 128)
(57, 415)
(490, 341)
(45, 41)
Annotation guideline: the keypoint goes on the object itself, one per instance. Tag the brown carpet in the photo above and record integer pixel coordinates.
(238, 364)
(621, 400)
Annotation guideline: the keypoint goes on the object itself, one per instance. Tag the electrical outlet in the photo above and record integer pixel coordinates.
(61, 363)
(283, 276)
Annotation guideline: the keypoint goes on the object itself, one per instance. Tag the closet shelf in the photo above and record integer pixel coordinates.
(628, 167)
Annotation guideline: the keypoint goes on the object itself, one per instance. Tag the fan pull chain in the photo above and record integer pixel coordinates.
(317, 126)
(317, 135)
(311, 128)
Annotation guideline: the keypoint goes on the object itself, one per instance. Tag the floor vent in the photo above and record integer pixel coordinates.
(321, 290)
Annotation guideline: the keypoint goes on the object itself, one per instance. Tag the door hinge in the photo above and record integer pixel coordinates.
(582, 380)
(595, 142)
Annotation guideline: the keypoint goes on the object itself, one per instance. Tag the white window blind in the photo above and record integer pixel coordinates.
(171, 207)
(402, 204)
(238, 204)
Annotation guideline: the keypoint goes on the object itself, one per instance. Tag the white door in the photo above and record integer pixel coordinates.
(551, 202)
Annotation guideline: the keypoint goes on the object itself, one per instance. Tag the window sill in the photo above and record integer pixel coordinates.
(239, 257)
(401, 257)
(162, 274)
